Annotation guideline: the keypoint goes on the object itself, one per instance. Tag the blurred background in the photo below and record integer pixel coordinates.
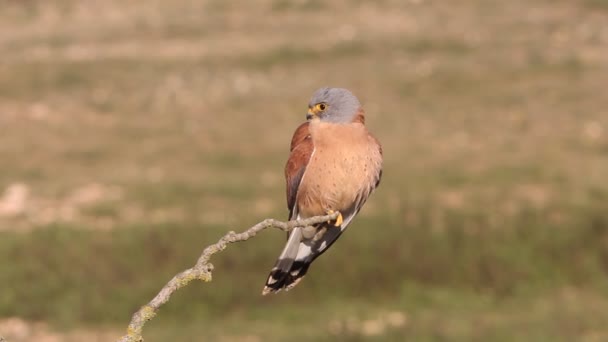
(134, 134)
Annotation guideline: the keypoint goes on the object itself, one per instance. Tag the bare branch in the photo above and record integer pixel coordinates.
(202, 270)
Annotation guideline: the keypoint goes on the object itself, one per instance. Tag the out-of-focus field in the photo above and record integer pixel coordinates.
(133, 134)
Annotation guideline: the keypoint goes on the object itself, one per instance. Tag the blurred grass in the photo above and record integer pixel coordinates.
(144, 131)
(74, 275)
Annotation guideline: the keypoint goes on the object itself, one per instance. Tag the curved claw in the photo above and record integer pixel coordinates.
(339, 219)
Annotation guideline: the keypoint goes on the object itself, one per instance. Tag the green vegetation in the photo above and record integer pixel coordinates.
(142, 132)
(478, 282)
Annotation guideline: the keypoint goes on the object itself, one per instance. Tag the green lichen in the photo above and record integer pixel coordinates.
(183, 281)
(147, 313)
(133, 334)
(205, 276)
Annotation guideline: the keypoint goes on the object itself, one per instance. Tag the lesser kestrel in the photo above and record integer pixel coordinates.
(334, 165)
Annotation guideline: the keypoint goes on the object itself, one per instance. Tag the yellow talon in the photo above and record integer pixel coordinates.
(339, 219)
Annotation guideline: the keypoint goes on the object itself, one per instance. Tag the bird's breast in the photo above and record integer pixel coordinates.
(345, 163)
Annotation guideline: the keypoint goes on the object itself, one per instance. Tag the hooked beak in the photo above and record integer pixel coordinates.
(311, 114)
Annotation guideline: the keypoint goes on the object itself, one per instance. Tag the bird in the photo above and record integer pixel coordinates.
(334, 165)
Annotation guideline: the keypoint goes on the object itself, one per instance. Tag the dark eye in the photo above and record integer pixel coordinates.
(321, 106)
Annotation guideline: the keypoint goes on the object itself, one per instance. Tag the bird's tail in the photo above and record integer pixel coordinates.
(280, 276)
(298, 254)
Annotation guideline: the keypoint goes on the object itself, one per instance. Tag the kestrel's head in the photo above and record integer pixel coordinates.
(335, 105)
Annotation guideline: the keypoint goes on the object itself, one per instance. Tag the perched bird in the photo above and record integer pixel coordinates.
(334, 165)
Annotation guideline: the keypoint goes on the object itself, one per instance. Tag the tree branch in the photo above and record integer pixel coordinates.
(202, 270)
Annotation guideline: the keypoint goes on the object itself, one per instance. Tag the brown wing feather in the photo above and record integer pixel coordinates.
(301, 150)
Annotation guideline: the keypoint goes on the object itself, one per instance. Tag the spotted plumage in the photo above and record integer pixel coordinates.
(334, 165)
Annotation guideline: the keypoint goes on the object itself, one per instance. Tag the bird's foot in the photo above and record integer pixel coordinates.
(319, 234)
(338, 221)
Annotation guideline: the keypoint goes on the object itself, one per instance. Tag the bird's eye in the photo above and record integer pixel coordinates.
(321, 106)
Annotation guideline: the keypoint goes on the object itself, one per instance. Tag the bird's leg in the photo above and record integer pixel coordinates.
(309, 232)
(319, 234)
(339, 219)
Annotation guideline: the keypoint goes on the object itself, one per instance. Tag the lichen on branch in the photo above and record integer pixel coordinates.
(203, 268)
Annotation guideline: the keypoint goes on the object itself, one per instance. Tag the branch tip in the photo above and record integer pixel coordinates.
(202, 270)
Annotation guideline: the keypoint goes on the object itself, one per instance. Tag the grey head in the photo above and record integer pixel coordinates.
(336, 105)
